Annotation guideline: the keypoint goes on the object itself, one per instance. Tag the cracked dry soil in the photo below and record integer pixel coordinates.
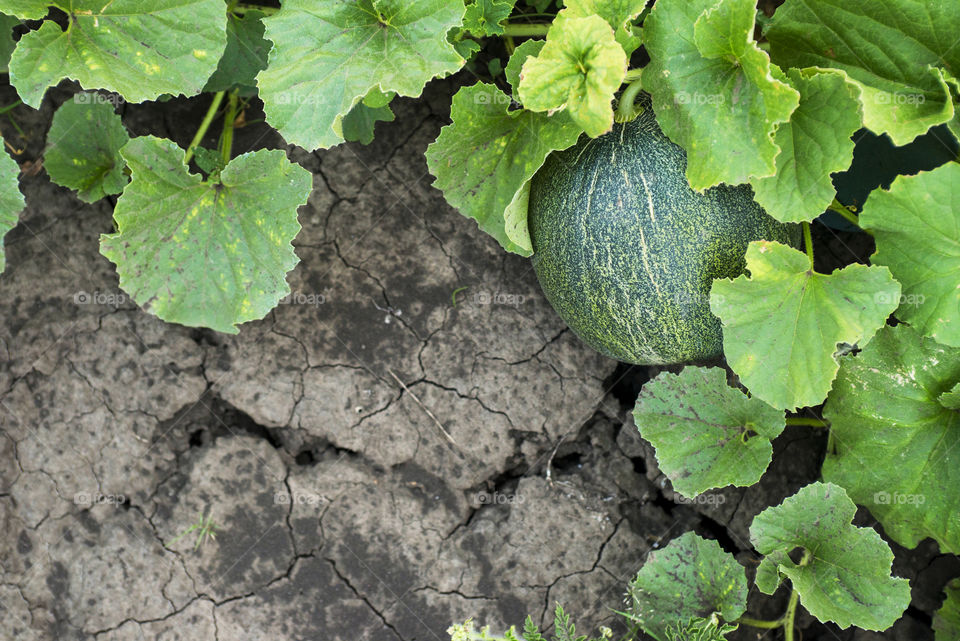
(311, 438)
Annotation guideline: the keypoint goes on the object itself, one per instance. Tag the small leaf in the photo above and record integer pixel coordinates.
(245, 55)
(783, 324)
(946, 620)
(619, 14)
(579, 69)
(11, 200)
(327, 56)
(714, 91)
(206, 253)
(897, 443)
(83, 148)
(951, 399)
(690, 577)
(891, 50)
(484, 160)
(210, 161)
(358, 125)
(484, 17)
(706, 434)
(515, 64)
(846, 577)
(140, 49)
(813, 144)
(916, 225)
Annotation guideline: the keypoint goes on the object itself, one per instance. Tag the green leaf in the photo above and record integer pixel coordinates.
(327, 56)
(245, 55)
(890, 49)
(483, 17)
(525, 50)
(485, 159)
(83, 148)
(700, 629)
(714, 91)
(896, 442)
(7, 44)
(530, 630)
(358, 125)
(783, 325)
(916, 225)
(845, 575)
(210, 161)
(951, 399)
(690, 577)
(813, 144)
(579, 69)
(140, 49)
(27, 9)
(206, 254)
(619, 14)
(11, 200)
(706, 434)
(946, 620)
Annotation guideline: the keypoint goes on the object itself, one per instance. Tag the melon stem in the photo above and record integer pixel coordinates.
(625, 108)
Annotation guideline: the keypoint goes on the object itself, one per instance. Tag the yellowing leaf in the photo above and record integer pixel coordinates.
(206, 253)
(579, 69)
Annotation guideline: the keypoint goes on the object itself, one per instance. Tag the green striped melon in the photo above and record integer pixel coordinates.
(626, 251)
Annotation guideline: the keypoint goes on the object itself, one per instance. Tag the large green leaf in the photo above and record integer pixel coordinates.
(206, 253)
(706, 433)
(896, 442)
(892, 50)
(815, 143)
(689, 578)
(11, 200)
(619, 14)
(245, 55)
(714, 91)
(137, 48)
(83, 148)
(845, 575)
(916, 225)
(326, 56)
(946, 621)
(484, 160)
(579, 69)
(783, 324)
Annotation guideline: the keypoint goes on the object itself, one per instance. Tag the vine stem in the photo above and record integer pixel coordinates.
(525, 30)
(625, 108)
(839, 208)
(808, 242)
(204, 126)
(226, 140)
(786, 621)
(632, 74)
(760, 623)
(809, 422)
